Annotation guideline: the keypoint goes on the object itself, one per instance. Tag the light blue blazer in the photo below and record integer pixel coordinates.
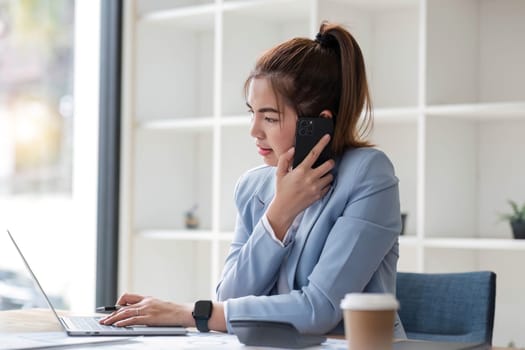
(346, 242)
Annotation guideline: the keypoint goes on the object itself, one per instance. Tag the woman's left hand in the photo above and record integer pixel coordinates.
(141, 310)
(297, 189)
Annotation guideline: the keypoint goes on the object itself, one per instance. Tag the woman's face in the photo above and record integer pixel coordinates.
(273, 130)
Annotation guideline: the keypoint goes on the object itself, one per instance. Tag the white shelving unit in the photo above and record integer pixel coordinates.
(447, 80)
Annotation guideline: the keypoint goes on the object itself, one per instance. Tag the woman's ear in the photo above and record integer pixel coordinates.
(326, 114)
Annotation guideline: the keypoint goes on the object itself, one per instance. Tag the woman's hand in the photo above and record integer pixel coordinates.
(140, 310)
(297, 189)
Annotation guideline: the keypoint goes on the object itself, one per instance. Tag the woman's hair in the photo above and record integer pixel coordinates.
(315, 75)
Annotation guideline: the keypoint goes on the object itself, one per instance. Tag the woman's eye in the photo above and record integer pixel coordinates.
(271, 120)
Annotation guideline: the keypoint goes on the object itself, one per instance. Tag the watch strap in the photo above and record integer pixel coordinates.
(202, 313)
(202, 324)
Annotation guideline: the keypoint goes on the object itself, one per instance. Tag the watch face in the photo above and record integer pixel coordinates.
(202, 309)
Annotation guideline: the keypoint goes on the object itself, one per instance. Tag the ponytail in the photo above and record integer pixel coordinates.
(355, 96)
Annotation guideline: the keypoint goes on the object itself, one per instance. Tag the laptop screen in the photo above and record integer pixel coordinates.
(19, 288)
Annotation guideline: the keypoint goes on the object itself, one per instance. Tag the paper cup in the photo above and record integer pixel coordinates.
(369, 320)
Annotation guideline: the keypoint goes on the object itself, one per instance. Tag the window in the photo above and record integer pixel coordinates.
(49, 69)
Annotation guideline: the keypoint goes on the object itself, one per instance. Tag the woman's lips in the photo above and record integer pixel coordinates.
(264, 151)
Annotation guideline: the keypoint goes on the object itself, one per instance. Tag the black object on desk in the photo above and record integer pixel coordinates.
(107, 309)
(273, 334)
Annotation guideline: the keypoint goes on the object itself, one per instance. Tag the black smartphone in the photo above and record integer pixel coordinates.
(308, 132)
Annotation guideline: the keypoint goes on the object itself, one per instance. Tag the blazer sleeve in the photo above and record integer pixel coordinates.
(254, 259)
(355, 247)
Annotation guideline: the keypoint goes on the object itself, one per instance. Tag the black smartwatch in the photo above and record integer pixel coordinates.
(202, 313)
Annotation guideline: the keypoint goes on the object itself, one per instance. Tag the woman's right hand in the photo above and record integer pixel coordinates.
(298, 188)
(142, 310)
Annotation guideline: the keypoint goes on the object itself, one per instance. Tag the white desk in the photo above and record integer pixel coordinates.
(42, 320)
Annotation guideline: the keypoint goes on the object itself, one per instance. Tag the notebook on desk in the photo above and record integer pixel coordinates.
(89, 326)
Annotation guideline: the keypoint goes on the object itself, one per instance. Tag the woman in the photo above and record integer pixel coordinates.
(305, 236)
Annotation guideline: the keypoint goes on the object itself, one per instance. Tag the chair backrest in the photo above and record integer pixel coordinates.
(455, 307)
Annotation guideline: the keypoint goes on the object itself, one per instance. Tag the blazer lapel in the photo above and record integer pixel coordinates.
(311, 214)
(265, 196)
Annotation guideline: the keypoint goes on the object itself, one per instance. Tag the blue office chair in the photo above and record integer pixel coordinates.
(453, 307)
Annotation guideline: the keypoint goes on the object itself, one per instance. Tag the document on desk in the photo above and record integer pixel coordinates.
(203, 341)
(43, 340)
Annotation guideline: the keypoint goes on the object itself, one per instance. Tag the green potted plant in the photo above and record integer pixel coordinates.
(516, 219)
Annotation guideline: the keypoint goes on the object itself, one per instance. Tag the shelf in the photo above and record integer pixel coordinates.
(410, 241)
(146, 7)
(185, 235)
(381, 116)
(273, 10)
(481, 111)
(396, 115)
(381, 5)
(475, 243)
(226, 237)
(182, 235)
(464, 243)
(193, 17)
(203, 123)
(241, 120)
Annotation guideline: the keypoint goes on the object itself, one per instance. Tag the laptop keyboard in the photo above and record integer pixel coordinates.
(89, 324)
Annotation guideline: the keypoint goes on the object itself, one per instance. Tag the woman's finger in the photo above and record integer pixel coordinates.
(283, 164)
(122, 314)
(312, 156)
(129, 299)
(324, 169)
(325, 181)
(132, 321)
(137, 317)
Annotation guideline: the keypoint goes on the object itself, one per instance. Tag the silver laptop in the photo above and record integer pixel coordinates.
(89, 326)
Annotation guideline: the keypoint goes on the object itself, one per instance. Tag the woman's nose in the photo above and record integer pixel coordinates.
(255, 128)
